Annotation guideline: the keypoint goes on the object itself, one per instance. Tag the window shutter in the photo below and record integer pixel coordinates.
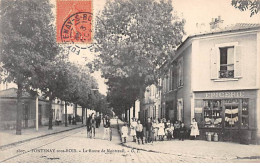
(237, 63)
(214, 56)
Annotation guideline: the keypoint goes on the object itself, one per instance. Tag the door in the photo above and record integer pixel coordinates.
(231, 120)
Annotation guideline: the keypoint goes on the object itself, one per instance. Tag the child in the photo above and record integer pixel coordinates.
(139, 132)
(170, 130)
(161, 132)
(194, 129)
(182, 131)
(133, 129)
(124, 131)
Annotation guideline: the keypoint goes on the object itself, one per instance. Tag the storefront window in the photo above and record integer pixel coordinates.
(231, 113)
(212, 113)
(245, 114)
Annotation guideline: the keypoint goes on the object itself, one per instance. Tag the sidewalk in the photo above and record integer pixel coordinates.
(199, 149)
(9, 138)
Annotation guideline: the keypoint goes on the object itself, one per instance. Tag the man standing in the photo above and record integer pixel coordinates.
(149, 130)
(69, 118)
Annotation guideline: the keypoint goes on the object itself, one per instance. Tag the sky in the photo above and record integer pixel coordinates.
(193, 11)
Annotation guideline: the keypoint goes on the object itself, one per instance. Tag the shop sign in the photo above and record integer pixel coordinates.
(224, 94)
(198, 110)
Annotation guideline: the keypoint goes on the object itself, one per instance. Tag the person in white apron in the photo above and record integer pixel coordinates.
(194, 129)
(161, 132)
(124, 131)
(133, 129)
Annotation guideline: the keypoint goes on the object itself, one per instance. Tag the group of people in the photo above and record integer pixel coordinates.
(158, 129)
(94, 122)
(72, 120)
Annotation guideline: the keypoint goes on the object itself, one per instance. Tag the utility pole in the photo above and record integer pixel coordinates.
(76, 113)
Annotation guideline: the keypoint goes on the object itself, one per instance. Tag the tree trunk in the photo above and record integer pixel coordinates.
(76, 113)
(126, 115)
(129, 114)
(66, 115)
(50, 113)
(134, 110)
(82, 115)
(86, 116)
(19, 110)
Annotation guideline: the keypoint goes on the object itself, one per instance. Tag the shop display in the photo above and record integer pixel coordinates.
(231, 112)
(212, 113)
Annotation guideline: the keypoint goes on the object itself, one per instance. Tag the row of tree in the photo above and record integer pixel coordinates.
(34, 61)
(133, 39)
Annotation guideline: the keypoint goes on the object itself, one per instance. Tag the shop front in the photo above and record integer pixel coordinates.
(226, 115)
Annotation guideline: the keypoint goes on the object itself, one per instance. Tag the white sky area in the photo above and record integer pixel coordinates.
(193, 11)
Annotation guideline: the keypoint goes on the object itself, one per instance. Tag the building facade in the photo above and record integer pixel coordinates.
(8, 110)
(214, 78)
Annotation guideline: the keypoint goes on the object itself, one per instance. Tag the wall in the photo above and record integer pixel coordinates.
(185, 91)
(8, 112)
(202, 79)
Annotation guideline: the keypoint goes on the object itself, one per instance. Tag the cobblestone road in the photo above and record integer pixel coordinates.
(74, 146)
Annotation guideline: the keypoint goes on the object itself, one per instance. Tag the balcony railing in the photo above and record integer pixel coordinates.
(226, 74)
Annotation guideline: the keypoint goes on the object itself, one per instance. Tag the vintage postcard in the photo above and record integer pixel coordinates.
(129, 81)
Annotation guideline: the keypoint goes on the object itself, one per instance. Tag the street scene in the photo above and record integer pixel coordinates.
(74, 146)
(129, 81)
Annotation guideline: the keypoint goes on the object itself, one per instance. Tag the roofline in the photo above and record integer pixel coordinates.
(210, 33)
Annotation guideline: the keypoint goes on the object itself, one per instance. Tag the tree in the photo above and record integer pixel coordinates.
(133, 38)
(28, 43)
(243, 5)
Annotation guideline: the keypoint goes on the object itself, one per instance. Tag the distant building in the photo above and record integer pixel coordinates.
(8, 110)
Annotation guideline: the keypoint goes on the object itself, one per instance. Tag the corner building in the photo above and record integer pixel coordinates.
(215, 79)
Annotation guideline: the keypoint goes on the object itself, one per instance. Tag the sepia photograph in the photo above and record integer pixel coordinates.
(130, 81)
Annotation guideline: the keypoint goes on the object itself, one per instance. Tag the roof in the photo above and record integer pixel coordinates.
(231, 28)
(12, 93)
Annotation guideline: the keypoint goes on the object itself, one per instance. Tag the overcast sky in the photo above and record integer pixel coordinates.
(193, 11)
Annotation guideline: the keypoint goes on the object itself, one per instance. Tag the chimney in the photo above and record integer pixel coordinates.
(216, 23)
(200, 27)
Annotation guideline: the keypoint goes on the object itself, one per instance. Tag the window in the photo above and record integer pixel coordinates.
(231, 113)
(226, 62)
(212, 113)
(245, 114)
(172, 79)
(180, 73)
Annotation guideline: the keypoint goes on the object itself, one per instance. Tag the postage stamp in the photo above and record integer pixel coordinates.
(74, 21)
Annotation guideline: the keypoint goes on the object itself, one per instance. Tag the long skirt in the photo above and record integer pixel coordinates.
(161, 131)
(132, 132)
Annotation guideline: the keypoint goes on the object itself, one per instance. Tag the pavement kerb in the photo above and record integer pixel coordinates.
(175, 154)
(44, 135)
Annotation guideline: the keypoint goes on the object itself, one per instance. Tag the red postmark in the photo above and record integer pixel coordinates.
(74, 21)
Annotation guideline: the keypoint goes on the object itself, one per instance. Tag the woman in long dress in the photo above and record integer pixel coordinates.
(161, 132)
(194, 129)
(133, 129)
